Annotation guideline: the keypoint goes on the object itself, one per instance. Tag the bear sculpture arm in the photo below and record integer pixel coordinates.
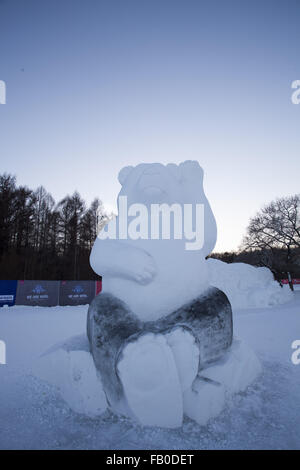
(115, 258)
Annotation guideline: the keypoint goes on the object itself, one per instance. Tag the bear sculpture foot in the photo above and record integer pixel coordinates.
(150, 380)
(155, 370)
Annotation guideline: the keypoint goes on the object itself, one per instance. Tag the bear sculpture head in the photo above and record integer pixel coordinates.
(154, 183)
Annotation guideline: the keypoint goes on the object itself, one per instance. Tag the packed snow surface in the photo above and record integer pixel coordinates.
(34, 415)
(247, 286)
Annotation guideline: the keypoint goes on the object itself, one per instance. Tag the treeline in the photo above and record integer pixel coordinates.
(41, 239)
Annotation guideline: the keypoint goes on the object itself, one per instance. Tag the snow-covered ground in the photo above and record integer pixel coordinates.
(34, 416)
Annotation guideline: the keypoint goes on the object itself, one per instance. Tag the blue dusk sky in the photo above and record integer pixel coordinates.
(95, 85)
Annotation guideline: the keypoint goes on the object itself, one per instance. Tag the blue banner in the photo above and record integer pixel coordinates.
(8, 291)
(76, 292)
(41, 293)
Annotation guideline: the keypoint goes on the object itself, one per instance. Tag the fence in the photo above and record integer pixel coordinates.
(294, 281)
(48, 293)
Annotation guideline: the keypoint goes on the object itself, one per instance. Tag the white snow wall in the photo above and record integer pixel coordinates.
(247, 286)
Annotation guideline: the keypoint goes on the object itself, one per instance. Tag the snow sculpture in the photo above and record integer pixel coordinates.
(157, 323)
(159, 334)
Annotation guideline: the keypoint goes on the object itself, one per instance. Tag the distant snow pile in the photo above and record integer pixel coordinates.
(247, 286)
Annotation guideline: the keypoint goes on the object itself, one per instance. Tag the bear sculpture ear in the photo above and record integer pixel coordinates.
(124, 173)
(174, 170)
(190, 169)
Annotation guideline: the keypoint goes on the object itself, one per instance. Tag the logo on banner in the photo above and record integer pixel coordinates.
(38, 293)
(77, 292)
(38, 289)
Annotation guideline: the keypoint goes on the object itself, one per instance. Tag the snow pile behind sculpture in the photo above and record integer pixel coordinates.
(247, 286)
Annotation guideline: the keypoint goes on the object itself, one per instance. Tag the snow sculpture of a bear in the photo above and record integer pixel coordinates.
(157, 322)
(159, 335)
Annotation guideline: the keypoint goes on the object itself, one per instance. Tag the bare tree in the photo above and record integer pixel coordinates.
(43, 205)
(7, 201)
(275, 227)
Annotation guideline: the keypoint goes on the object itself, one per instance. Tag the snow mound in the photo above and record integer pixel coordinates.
(247, 286)
(74, 374)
